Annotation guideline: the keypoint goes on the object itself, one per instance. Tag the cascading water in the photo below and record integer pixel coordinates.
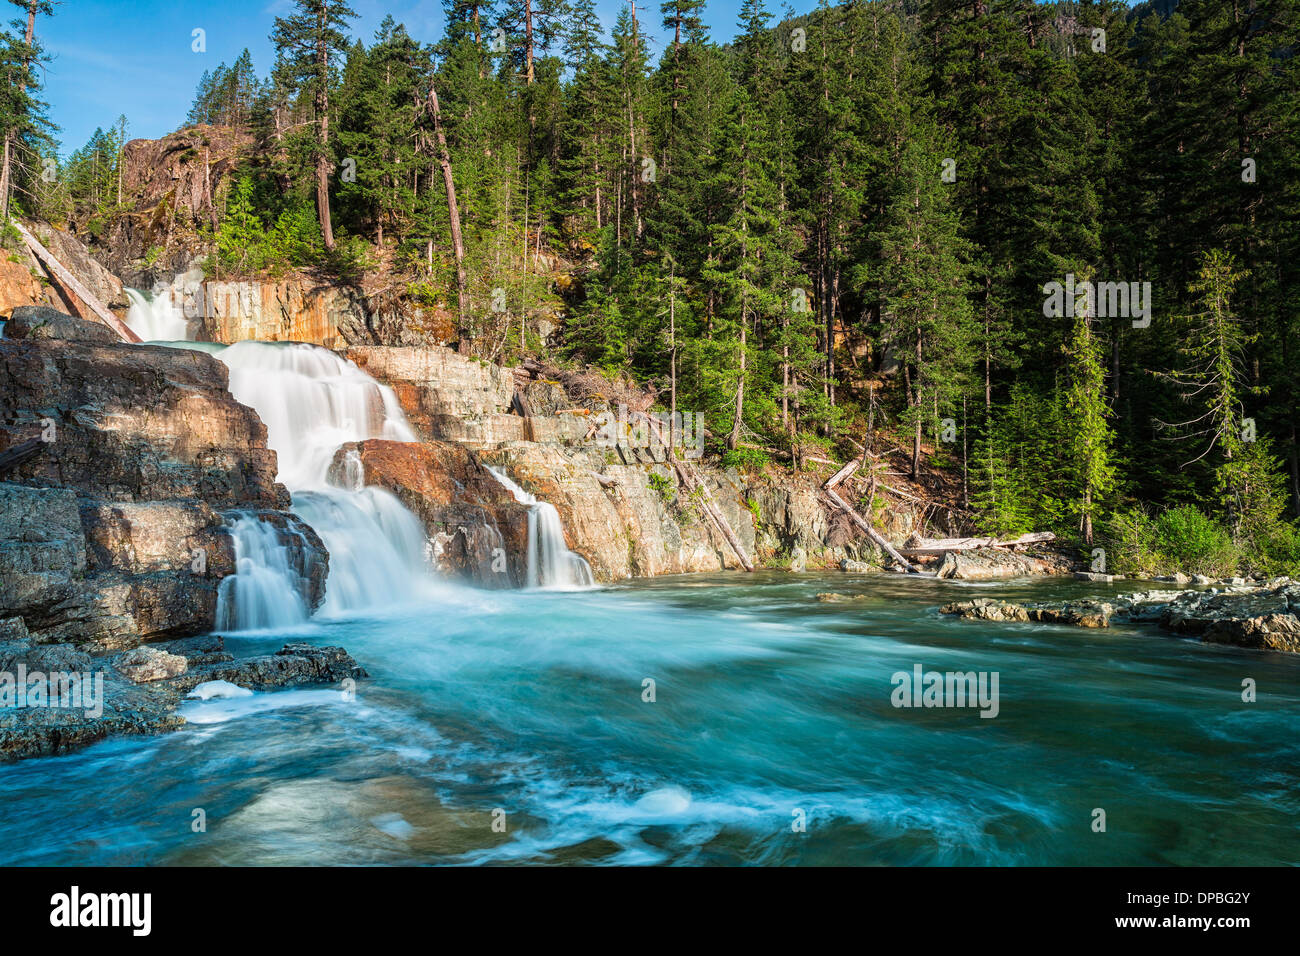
(157, 319)
(550, 562)
(312, 402)
(264, 590)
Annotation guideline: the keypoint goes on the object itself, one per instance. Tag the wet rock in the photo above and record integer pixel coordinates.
(1259, 617)
(292, 665)
(1275, 632)
(144, 444)
(856, 567)
(130, 707)
(834, 597)
(479, 532)
(987, 609)
(145, 664)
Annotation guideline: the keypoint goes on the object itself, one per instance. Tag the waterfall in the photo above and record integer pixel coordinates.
(157, 319)
(312, 402)
(266, 589)
(550, 562)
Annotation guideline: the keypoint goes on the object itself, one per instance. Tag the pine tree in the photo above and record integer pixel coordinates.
(306, 39)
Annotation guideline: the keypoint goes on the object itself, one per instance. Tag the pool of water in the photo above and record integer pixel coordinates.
(520, 727)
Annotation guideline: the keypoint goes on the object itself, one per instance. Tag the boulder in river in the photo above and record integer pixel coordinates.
(1265, 618)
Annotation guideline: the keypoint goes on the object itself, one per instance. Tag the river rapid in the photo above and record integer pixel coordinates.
(520, 727)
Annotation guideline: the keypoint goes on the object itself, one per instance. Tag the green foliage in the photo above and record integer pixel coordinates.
(662, 486)
(746, 459)
(1180, 539)
(245, 244)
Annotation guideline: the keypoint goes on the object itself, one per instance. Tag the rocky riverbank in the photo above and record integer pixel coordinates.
(55, 698)
(1261, 617)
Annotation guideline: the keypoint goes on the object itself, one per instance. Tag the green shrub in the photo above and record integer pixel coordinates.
(1277, 552)
(1195, 542)
(1182, 539)
(662, 486)
(746, 459)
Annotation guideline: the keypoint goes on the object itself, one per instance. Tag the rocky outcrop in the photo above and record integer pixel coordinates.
(477, 530)
(173, 187)
(38, 322)
(114, 532)
(25, 281)
(992, 564)
(297, 307)
(19, 285)
(138, 691)
(620, 503)
(1262, 618)
(618, 521)
(133, 423)
(446, 395)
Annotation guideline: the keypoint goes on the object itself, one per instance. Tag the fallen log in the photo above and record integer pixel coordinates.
(843, 473)
(941, 546)
(73, 285)
(875, 535)
(692, 483)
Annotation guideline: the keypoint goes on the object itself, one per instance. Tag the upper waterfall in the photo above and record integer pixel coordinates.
(156, 319)
(311, 401)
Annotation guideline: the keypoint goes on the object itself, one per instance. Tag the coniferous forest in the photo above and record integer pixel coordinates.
(825, 233)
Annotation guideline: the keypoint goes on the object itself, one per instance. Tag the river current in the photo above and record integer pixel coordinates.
(523, 727)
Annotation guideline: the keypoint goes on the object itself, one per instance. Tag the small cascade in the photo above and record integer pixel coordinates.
(312, 402)
(376, 546)
(266, 589)
(550, 562)
(157, 319)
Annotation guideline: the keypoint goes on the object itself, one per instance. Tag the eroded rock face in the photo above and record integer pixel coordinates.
(113, 533)
(478, 531)
(622, 525)
(446, 395)
(134, 423)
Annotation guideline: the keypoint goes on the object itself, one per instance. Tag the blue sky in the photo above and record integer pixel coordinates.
(135, 58)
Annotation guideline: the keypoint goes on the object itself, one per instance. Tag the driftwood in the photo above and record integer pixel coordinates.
(73, 285)
(940, 546)
(688, 478)
(861, 522)
(13, 457)
(873, 534)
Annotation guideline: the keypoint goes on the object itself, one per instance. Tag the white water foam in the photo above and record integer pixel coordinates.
(156, 319)
(551, 564)
(312, 402)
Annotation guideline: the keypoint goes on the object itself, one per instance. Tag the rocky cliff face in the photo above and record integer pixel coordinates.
(112, 532)
(620, 502)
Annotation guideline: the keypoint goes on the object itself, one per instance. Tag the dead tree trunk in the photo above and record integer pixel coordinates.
(453, 213)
